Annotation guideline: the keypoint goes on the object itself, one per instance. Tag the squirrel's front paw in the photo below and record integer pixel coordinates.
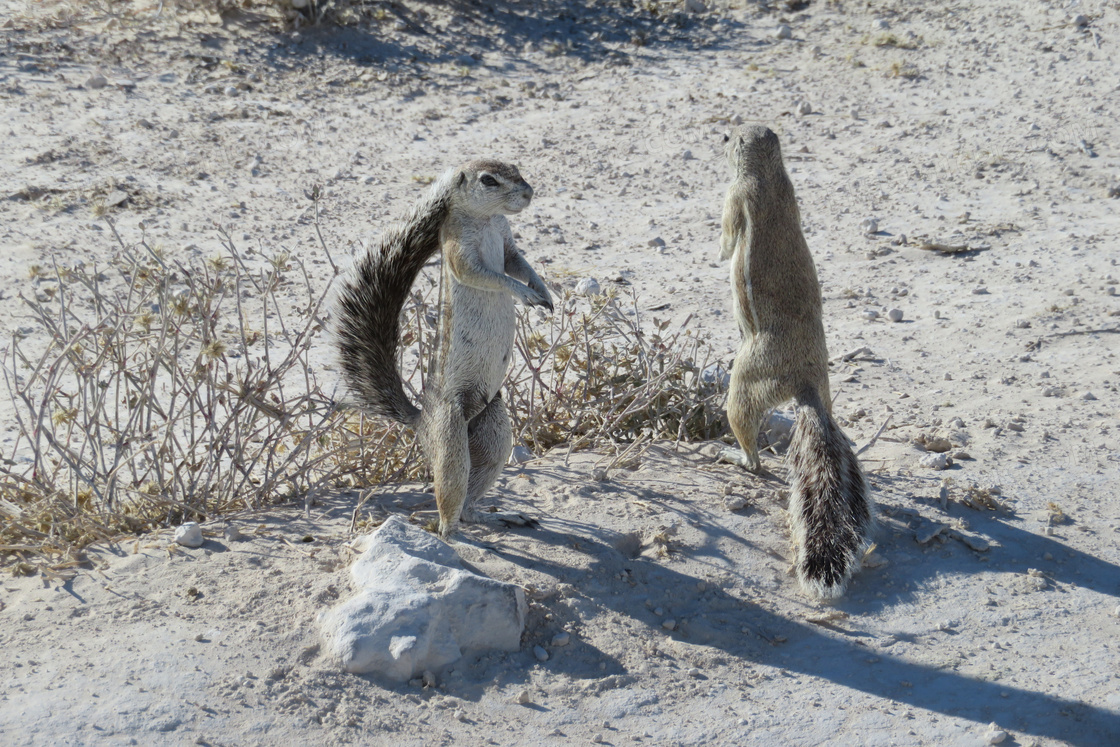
(547, 303)
(532, 297)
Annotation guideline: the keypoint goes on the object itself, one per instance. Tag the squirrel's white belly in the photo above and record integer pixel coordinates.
(483, 324)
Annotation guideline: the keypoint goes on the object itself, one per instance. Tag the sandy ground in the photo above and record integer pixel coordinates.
(995, 131)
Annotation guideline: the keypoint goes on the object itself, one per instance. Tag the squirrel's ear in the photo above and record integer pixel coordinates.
(462, 179)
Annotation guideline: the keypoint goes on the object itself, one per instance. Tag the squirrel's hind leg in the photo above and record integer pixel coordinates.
(491, 440)
(749, 397)
(444, 438)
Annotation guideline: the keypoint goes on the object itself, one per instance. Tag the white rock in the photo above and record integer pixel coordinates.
(540, 653)
(895, 315)
(936, 461)
(232, 533)
(1087, 396)
(736, 120)
(188, 534)
(656, 242)
(996, 736)
(804, 108)
(299, 4)
(880, 24)
(230, 91)
(417, 609)
(97, 80)
(716, 374)
(869, 225)
(523, 697)
(669, 624)
(520, 455)
(1080, 21)
(783, 32)
(695, 6)
(870, 314)
(561, 639)
(588, 287)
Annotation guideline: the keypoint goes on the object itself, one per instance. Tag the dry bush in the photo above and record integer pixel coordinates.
(171, 391)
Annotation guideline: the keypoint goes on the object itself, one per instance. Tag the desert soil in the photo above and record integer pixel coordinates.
(989, 607)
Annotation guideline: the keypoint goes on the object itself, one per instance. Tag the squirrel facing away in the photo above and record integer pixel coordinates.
(463, 425)
(783, 356)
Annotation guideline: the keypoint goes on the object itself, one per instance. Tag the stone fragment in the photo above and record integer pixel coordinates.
(188, 534)
(418, 609)
(588, 287)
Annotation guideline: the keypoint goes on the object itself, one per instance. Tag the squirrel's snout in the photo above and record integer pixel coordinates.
(527, 191)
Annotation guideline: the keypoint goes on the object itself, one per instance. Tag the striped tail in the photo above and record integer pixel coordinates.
(368, 305)
(829, 509)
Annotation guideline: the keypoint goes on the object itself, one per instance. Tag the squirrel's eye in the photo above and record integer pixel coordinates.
(488, 180)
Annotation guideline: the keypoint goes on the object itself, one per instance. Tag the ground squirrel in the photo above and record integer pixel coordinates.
(463, 426)
(783, 356)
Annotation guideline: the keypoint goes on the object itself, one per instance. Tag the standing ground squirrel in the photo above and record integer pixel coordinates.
(783, 356)
(463, 427)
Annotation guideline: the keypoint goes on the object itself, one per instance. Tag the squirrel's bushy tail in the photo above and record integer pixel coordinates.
(829, 509)
(366, 312)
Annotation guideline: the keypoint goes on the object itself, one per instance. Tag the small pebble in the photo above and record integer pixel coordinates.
(428, 678)
(804, 108)
(687, 155)
(189, 534)
(522, 697)
(597, 739)
(880, 24)
(588, 287)
(853, 113)
(520, 455)
(669, 624)
(694, 672)
(97, 80)
(540, 653)
(936, 461)
(1079, 21)
(869, 225)
(561, 639)
(1116, 611)
(656, 242)
(736, 120)
(230, 91)
(1087, 396)
(870, 314)
(936, 314)
(895, 315)
(783, 32)
(995, 736)
(715, 374)
(232, 533)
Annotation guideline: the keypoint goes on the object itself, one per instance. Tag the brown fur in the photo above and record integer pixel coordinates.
(783, 356)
